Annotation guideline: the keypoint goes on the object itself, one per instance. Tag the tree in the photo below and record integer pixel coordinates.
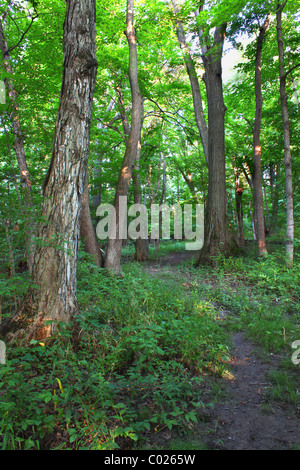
(286, 137)
(216, 238)
(141, 244)
(55, 263)
(257, 176)
(196, 92)
(87, 230)
(19, 148)
(114, 246)
(255, 16)
(215, 232)
(213, 134)
(15, 121)
(239, 189)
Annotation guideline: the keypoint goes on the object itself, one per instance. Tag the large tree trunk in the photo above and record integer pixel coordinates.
(114, 246)
(212, 136)
(287, 145)
(216, 238)
(25, 183)
(257, 174)
(55, 263)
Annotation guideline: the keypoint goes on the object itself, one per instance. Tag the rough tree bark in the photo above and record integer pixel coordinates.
(286, 139)
(257, 175)
(114, 246)
(55, 263)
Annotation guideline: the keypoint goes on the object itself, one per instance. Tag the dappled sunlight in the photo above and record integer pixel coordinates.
(226, 374)
(234, 362)
(220, 371)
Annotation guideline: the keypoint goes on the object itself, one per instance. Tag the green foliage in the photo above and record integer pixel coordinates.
(137, 368)
(284, 387)
(263, 296)
(146, 342)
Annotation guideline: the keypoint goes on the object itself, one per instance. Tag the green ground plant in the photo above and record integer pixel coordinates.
(148, 344)
(137, 367)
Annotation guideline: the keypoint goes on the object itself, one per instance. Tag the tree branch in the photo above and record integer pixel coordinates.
(291, 69)
(25, 32)
(23, 35)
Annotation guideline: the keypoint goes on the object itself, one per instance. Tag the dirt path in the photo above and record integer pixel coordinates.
(245, 420)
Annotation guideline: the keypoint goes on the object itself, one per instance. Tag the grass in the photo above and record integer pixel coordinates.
(263, 297)
(148, 345)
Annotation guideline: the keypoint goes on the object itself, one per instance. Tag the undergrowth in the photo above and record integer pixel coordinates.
(263, 295)
(137, 369)
(148, 344)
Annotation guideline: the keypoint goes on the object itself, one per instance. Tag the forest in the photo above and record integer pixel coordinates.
(149, 245)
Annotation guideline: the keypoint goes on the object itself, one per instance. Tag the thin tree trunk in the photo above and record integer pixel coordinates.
(286, 137)
(196, 92)
(141, 245)
(87, 230)
(189, 181)
(239, 189)
(252, 221)
(55, 263)
(13, 170)
(19, 148)
(257, 174)
(267, 224)
(161, 202)
(141, 251)
(274, 185)
(114, 246)
(12, 270)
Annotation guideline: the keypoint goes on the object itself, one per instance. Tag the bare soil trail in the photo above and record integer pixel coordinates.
(245, 419)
